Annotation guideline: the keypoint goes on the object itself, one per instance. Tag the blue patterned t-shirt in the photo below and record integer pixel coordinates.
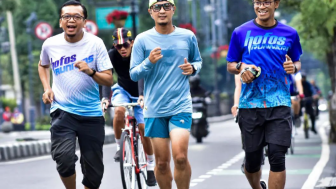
(266, 48)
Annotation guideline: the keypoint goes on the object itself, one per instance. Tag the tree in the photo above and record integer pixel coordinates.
(316, 24)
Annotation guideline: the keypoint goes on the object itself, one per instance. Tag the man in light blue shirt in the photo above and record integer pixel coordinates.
(165, 56)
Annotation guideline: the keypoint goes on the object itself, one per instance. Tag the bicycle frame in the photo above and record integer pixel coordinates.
(131, 128)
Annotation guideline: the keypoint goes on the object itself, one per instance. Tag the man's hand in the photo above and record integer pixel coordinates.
(104, 104)
(234, 110)
(141, 101)
(155, 55)
(48, 96)
(83, 67)
(247, 76)
(186, 67)
(289, 65)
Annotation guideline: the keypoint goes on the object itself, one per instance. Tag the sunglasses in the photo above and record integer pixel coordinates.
(125, 45)
(166, 7)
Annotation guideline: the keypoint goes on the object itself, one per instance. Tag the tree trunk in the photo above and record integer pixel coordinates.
(331, 58)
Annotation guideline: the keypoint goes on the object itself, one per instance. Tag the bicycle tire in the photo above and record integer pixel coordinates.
(141, 163)
(306, 126)
(292, 146)
(127, 169)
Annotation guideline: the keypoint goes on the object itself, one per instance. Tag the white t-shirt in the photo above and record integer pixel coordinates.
(74, 91)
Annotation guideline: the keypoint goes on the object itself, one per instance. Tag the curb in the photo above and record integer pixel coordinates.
(19, 150)
(26, 149)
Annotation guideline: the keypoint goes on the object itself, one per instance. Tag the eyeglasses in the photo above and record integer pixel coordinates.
(265, 3)
(125, 45)
(75, 17)
(166, 7)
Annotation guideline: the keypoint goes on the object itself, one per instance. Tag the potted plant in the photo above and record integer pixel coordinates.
(117, 17)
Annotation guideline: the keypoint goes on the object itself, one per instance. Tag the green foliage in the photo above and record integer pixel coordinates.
(43, 120)
(46, 11)
(8, 102)
(7, 5)
(316, 26)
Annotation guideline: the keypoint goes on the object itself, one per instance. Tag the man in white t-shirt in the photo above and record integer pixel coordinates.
(79, 62)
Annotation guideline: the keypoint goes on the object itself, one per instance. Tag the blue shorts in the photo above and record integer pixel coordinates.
(120, 95)
(160, 127)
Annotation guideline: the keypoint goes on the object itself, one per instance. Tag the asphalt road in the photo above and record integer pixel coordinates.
(215, 163)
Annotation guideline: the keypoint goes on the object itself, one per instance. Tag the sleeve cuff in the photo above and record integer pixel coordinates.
(147, 64)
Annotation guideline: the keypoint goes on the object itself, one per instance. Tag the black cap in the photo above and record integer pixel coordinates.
(121, 35)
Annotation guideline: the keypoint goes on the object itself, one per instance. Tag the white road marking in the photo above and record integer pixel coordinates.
(204, 176)
(220, 168)
(198, 180)
(319, 166)
(193, 184)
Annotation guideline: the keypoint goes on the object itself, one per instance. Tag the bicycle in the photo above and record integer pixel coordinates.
(133, 163)
(305, 117)
(296, 124)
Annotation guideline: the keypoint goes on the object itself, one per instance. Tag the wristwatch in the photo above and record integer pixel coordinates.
(238, 65)
(93, 73)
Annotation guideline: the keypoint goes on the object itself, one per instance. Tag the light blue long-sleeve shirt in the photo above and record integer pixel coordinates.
(166, 89)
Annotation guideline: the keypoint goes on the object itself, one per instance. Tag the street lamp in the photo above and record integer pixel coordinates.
(29, 22)
(134, 11)
(1, 110)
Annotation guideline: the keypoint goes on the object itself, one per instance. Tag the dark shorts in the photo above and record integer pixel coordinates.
(65, 128)
(260, 126)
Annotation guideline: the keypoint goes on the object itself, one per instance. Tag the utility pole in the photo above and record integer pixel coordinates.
(17, 85)
(29, 22)
(134, 11)
(1, 109)
(214, 51)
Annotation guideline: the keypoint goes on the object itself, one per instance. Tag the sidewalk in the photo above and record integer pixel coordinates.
(17, 145)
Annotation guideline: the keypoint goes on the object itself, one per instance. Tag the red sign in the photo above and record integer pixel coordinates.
(43, 30)
(91, 27)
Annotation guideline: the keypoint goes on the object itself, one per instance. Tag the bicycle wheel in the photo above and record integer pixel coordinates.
(306, 126)
(292, 146)
(142, 164)
(126, 163)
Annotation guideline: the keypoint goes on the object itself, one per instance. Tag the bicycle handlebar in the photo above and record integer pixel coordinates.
(123, 105)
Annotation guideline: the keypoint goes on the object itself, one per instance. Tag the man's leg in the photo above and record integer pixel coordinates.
(162, 170)
(253, 167)
(69, 182)
(146, 141)
(91, 136)
(63, 147)
(147, 145)
(182, 170)
(277, 157)
(118, 124)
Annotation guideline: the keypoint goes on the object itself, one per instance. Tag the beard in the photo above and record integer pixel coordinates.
(163, 23)
(71, 35)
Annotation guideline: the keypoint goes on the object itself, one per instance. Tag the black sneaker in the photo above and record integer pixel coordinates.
(263, 184)
(117, 156)
(151, 181)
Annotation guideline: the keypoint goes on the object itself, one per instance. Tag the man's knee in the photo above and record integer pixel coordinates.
(65, 157)
(276, 157)
(119, 113)
(141, 127)
(163, 166)
(66, 164)
(181, 162)
(253, 161)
